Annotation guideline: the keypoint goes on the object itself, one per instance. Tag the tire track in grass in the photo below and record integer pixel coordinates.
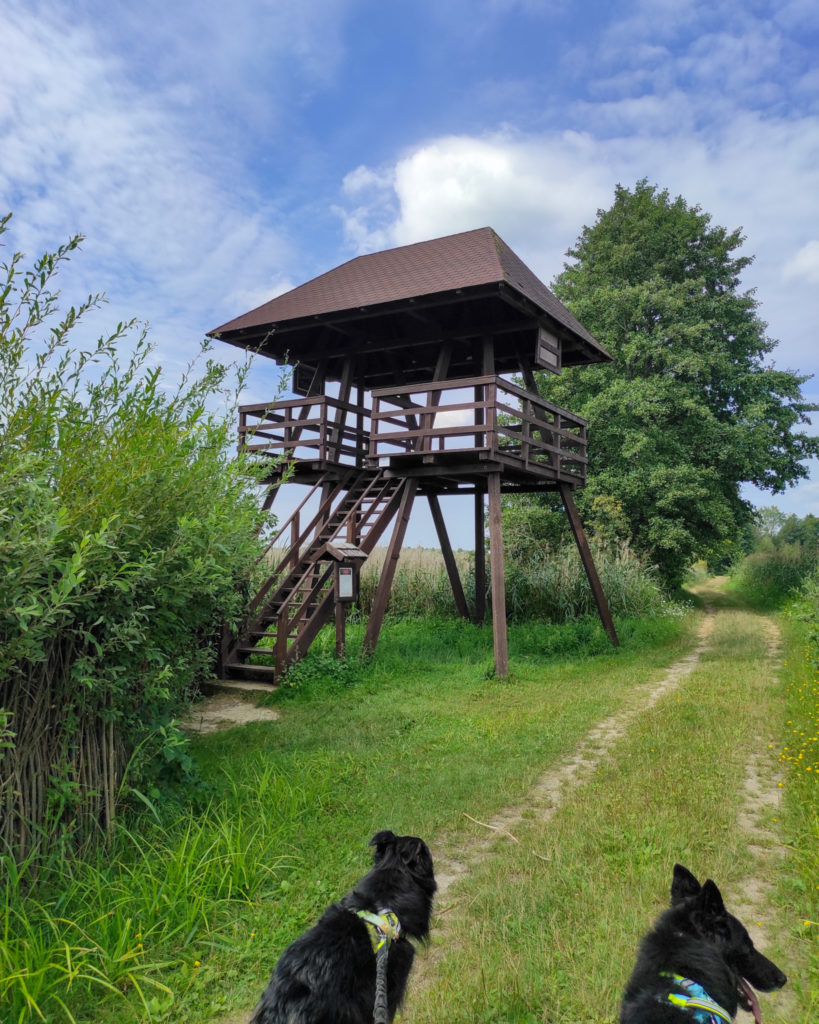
(760, 811)
(457, 860)
(551, 789)
(753, 903)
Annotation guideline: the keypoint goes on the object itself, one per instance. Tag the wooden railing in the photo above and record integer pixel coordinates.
(484, 416)
(318, 428)
(476, 417)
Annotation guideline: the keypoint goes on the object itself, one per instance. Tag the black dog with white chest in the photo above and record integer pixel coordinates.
(698, 964)
(328, 975)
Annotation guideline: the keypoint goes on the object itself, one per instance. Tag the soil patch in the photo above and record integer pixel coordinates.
(224, 711)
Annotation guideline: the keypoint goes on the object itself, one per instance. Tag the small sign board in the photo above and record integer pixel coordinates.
(345, 583)
(547, 353)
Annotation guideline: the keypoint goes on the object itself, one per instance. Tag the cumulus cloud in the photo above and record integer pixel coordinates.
(804, 264)
(539, 190)
(532, 190)
(87, 150)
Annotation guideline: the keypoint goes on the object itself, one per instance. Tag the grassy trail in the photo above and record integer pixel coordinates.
(555, 803)
(542, 905)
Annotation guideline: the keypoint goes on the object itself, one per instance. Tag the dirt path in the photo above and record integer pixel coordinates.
(552, 788)
(762, 792)
(763, 797)
(224, 711)
(454, 861)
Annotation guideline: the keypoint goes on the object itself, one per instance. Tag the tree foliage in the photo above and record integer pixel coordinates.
(125, 525)
(689, 408)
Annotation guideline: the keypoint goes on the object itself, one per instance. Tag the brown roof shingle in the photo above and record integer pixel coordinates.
(457, 268)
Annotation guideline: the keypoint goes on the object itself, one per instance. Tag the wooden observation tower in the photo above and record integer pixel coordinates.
(421, 342)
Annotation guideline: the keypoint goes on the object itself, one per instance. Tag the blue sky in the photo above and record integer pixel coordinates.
(217, 154)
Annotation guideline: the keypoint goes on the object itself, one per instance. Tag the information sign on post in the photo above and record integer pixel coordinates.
(345, 583)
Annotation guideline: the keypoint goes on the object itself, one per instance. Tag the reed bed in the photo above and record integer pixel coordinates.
(552, 587)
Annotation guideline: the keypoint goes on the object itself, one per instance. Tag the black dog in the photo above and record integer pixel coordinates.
(697, 964)
(328, 975)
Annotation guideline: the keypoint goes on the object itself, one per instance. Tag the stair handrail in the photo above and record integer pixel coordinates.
(375, 478)
(263, 591)
(288, 522)
(293, 580)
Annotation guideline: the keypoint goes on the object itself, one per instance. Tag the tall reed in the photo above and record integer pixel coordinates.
(767, 577)
(551, 585)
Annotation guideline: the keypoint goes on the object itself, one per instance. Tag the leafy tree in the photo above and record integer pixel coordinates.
(689, 409)
(769, 520)
(126, 522)
(800, 531)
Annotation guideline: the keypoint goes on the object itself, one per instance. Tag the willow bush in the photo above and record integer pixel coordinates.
(125, 524)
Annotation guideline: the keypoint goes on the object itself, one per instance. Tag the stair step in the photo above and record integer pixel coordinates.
(237, 670)
(253, 649)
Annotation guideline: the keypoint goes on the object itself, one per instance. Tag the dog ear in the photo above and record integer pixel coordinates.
(382, 840)
(415, 855)
(711, 899)
(683, 885)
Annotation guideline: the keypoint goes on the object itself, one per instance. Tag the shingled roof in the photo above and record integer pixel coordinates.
(461, 286)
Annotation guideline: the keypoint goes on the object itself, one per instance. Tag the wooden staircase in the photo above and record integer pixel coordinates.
(297, 597)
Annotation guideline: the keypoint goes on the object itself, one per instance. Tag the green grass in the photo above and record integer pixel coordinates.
(799, 756)
(764, 580)
(185, 916)
(554, 920)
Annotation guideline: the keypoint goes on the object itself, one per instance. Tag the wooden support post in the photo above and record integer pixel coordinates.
(434, 397)
(449, 557)
(360, 453)
(487, 367)
(588, 563)
(498, 583)
(480, 559)
(341, 619)
(336, 432)
(382, 593)
(332, 433)
(547, 436)
(529, 380)
(282, 638)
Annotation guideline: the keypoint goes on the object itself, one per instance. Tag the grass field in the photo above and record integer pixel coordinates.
(192, 909)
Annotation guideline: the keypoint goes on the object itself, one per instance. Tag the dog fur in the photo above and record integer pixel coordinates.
(327, 976)
(698, 939)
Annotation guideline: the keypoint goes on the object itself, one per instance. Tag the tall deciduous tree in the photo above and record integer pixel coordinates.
(690, 408)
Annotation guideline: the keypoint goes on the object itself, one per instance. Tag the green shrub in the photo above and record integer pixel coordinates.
(125, 524)
(768, 576)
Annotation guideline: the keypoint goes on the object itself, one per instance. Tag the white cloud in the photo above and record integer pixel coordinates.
(538, 191)
(532, 190)
(804, 264)
(86, 150)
